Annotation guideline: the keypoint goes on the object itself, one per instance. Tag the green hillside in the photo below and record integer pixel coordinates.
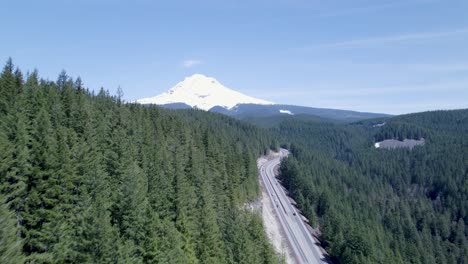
(86, 178)
(383, 206)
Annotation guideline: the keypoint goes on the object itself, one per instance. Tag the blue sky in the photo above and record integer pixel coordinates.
(396, 56)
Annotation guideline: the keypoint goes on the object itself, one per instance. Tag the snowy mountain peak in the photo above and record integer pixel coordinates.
(198, 76)
(202, 92)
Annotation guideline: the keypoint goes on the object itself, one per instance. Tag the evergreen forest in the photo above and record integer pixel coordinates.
(88, 178)
(377, 205)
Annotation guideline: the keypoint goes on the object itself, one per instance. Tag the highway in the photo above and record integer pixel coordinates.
(301, 241)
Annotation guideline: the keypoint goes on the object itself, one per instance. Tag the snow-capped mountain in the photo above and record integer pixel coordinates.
(206, 93)
(202, 92)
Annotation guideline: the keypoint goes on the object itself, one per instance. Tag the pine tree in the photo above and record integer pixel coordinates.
(210, 246)
(15, 185)
(97, 239)
(185, 199)
(132, 206)
(8, 88)
(170, 244)
(41, 217)
(10, 244)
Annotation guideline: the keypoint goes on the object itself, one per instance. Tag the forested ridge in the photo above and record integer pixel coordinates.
(383, 206)
(87, 178)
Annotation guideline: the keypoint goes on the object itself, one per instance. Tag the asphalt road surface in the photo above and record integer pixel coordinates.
(299, 237)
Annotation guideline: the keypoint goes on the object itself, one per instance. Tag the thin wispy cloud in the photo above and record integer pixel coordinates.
(388, 39)
(350, 91)
(411, 98)
(414, 68)
(191, 63)
(390, 107)
(454, 67)
(374, 8)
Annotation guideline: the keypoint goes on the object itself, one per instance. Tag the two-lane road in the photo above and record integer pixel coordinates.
(300, 239)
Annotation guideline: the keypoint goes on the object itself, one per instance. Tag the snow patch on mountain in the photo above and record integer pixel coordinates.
(379, 125)
(202, 92)
(286, 112)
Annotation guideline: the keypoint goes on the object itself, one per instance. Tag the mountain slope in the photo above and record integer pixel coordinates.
(202, 92)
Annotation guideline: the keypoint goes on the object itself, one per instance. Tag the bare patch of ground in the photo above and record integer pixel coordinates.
(393, 143)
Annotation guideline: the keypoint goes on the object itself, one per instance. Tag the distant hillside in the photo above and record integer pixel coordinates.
(377, 205)
(275, 120)
(245, 111)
